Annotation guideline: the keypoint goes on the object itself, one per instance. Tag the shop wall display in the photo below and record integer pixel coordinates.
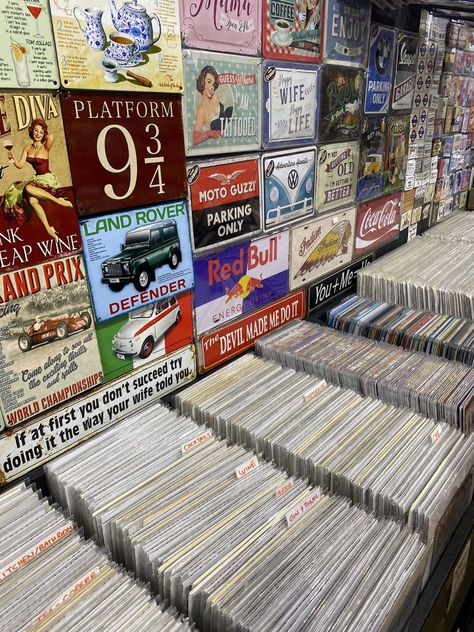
(48, 348)
(118, 45)
(293, 29)
(134, 150)
(378, 222)
(405, 70)
(336, 175)
(224, 200)
(288, 186)
(232, 27)
(398, 129)
(290, 104)
(145, 335)
(222, 103)
(371, 158)
(27, 55)
(341, 104)
(382, 50)
(137, 257)
(220, 345)
(38, 219)
(346, 32)
(237, 280)
(321, 246)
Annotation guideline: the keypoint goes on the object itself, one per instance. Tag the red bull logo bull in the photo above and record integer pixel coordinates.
(245, 286)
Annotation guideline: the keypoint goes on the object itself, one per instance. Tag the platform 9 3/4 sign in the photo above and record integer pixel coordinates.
(124, 151)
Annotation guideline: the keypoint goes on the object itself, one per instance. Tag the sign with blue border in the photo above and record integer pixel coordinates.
(379, 70)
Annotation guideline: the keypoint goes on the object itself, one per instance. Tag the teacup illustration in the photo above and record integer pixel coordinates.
(123, 48)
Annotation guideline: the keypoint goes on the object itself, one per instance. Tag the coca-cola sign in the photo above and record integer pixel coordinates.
(378, 221)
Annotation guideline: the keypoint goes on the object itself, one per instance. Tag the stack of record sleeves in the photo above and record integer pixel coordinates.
(437, 334)
(232, 541)
(430, 274)
(434, 387)
(52, 579)
(388, 459)
(459, 227)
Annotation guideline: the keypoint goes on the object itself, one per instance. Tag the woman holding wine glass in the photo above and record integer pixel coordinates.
(21, 198)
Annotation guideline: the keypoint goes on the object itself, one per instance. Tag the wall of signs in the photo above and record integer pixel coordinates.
(181, 173)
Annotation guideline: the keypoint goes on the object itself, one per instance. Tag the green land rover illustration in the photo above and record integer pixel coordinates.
(145, 249)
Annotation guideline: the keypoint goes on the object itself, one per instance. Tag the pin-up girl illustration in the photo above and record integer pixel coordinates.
(22, 198)
(210, 112)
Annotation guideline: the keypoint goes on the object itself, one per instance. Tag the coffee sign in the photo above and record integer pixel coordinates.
(232, 27)
(405, 70)
(380, 70)
(290, 104)
(134, 150)
(346, 32)
(119, 46)
(222, 103)
(341, 104)
(321, 246)
(378, 222)
(224, 199)
(237, 280)
(336, 175)
(288, 185)
(292, 29)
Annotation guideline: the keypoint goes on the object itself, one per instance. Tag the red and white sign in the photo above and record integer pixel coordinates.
(219, 346)
(378, 221)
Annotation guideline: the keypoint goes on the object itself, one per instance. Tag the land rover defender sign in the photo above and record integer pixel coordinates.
(137, 257)
(405, 69)
(380, 69)
(239, 279)
(346, 32)
(124, 151)
(224, 197)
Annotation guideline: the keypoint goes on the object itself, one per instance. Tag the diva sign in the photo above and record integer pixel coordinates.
(377, 223)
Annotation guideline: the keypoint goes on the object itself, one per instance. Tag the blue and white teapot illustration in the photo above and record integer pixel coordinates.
(132, 18)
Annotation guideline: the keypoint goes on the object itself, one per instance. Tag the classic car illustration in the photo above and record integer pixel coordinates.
(373, 164)
(49, 329)
(145, 327)
(145, 249)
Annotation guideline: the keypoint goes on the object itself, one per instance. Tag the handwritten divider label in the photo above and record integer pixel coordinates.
(436, 434)
(308, 503)
(202, 438)
(247, 467)
(36, 549)
(284, 489)
(72, 590)
(314, 392)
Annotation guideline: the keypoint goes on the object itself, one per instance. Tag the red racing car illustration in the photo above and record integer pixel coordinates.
(51, 329)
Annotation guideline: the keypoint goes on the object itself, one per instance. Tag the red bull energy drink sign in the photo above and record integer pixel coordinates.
(239, 279)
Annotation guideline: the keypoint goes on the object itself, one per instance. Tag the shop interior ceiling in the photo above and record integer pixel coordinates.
(452, 9)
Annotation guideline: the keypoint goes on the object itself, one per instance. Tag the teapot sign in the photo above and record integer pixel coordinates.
(118, 45)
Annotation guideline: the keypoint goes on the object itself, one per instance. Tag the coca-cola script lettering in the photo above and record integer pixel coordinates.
(378, 222)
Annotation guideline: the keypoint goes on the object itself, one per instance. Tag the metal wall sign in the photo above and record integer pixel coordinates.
(48, 348)
(43, 439)
(237, 280)
(231, 27)
(38, 220)
(328, 289)
(346, 32)
(220, 345)
(145, 335)
(133, 150)
(341, 104)
(405, 71)
(137, 257)
(321, 246)
(336, 175)
(398, 130)
(224, 201)
(293, 30)
(118, 46)
(222, 103)
(382, 50)
(290, 104)
(372, 158)
(288, 186)
(27, 53)
(378, 222)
